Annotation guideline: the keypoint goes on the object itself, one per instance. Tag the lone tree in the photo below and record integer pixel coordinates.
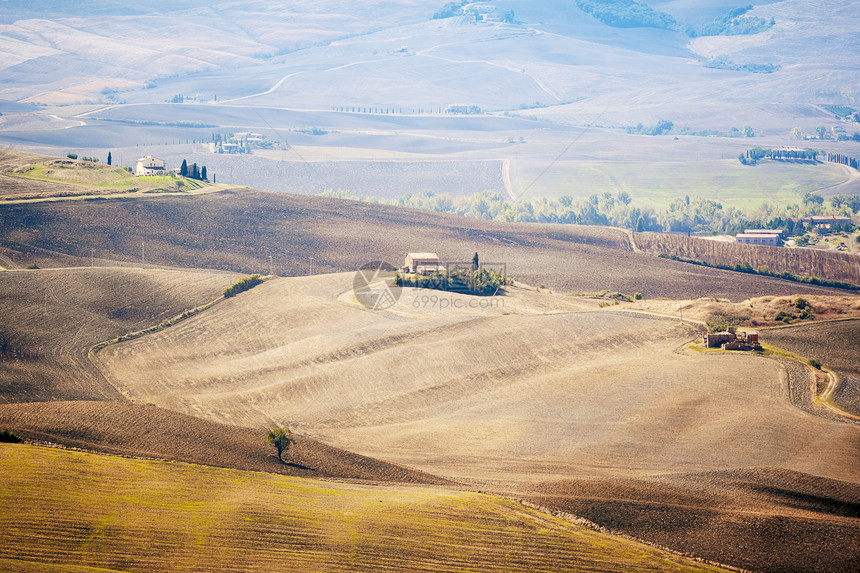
(280, 438)
(475, 263)
(109, 159)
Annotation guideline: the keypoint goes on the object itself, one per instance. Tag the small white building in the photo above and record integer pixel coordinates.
(769, 239)
(422, 263)
(149, 166)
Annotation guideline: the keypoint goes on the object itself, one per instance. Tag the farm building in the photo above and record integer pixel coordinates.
(730, 340)
(149, 166)
(770, 239)
(422, 263)
(823, 222)
(777, 232)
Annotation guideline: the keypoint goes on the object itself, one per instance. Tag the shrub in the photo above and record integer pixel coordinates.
(72, 155)
(801, 303)
(8, 437)
(637, 296)
(242, 285)
(719, 321)
(815, 364)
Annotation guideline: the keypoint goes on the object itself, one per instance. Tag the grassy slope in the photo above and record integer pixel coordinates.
(84, 510)
(50, 318)
(29, 176)
(489, 395)
(727, 181)
(240, 230)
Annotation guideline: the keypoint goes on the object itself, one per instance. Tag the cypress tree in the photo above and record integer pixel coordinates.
(109, 158)
(203, 173)
(184, 169)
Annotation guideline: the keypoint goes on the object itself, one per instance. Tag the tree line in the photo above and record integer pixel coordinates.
(683, 215)
(843, 159)
(193, 172)
(756, 154)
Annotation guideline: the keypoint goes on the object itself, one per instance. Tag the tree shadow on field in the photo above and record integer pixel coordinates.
(298, 466)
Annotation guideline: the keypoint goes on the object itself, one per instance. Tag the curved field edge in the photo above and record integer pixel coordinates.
(87, 510)
(153, 433)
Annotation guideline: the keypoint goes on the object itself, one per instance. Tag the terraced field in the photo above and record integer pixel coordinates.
(119, 514)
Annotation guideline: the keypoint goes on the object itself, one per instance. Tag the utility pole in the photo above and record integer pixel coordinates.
(92, 257)
(143, 254)
(270, 265)
(312, 266)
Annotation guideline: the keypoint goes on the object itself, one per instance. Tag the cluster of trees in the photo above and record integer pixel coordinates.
(756, 154)
(193, 172)
(660, 128)
(823, 132)
(684, 214)
(847, 201)
(90, 159)
(479, 281)
(450, 10)
(627, 14)
(844, 160)
(733, 23)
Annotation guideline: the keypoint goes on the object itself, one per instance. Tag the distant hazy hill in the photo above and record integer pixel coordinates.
(339, 54)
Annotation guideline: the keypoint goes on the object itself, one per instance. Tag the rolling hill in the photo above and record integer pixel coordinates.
(240, 229)
(148, 432)
(116, 514)
(504, 393)
(49, 319)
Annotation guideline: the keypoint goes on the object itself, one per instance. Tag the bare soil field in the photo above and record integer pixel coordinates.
(50, 318)
(151, 432)
(474, 394)
(836, 344)
(240, 230)
(823, 264)
(762, 519)
(119, 514)
(754, 312)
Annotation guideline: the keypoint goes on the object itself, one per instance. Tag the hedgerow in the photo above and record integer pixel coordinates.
(242, 285)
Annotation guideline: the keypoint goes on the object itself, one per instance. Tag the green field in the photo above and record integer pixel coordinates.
(657, 183)
(107, 178)
(71, 511)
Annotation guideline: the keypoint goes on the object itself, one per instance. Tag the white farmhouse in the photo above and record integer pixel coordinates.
(422, 263)
(149, 165)
(769, 239)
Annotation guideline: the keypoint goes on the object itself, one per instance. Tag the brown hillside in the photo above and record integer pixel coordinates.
(763, 519)
(835, 266)
(50, 318)
(836, 345)
(150, 432)
(239, 231)
(503, 393)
